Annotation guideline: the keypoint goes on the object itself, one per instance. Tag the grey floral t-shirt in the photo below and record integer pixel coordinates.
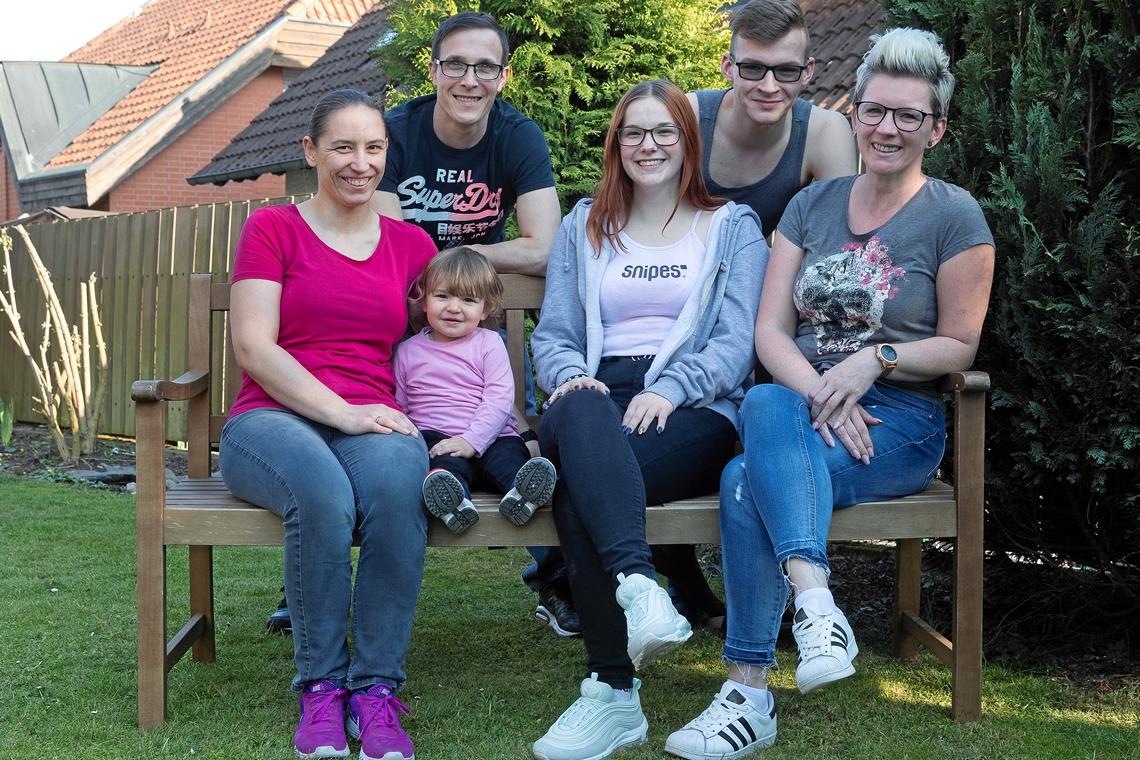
(878, 287)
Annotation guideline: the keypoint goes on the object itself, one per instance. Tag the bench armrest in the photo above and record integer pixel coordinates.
(971, 381)
(183, 388)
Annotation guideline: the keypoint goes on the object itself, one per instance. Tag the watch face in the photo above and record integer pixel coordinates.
(888, 353)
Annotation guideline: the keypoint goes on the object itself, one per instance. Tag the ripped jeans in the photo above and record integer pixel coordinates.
(776, 499)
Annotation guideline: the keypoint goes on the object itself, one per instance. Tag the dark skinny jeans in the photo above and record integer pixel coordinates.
(605, 480)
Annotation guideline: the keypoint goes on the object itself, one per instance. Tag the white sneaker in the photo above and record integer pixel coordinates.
(728, 728)
(534, 488)
(595, 726)
(827, 647)
(653, 625)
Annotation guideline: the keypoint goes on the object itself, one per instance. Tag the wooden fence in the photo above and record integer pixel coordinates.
(140, 259)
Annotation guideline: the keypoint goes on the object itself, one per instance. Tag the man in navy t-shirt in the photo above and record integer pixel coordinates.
(460, 160)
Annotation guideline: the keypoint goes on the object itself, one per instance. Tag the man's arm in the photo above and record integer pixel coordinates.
(538, 216)
(386, 204)
(830, 150)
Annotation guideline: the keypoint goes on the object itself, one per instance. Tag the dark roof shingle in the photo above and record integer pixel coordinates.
(840, 32)
(272, 141)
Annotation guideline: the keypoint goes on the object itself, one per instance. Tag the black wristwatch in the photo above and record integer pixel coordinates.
(888, 358)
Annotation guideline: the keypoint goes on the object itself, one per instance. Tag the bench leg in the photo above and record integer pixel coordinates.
(202, 599)
(967, 698)
(908, 590)
(151, 598)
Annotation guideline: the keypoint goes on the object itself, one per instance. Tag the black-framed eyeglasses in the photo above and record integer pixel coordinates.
(458, 69)
(663, 134)
(754, 72)
(906, 119)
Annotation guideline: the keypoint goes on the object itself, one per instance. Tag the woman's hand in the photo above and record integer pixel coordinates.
(642, 410)
(455, 446)
(838, 389)
(375, 418)
(852, 432)
(575, 384)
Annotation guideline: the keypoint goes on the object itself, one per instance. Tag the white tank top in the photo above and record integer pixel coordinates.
(644, 289)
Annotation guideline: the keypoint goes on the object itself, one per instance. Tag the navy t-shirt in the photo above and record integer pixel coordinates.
(463, 196)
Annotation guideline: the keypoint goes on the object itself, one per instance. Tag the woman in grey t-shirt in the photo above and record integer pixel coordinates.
(877, 285)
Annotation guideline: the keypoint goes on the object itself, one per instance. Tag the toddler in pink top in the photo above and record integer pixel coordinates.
(453, 380)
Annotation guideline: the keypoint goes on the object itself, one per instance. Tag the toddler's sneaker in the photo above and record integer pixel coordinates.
(827, 646)
(653, 625)
(730, 727)
(374, 719)
(320, 733)
(595, 726)
(445, 498)
(534, 488)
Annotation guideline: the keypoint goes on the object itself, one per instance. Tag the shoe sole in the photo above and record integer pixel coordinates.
(443, 497)
(353, 730)
(654, 649)
(324, 751)
(632, 738)
(832, 677)
(546, 616)
(762, 742)
(534, 488)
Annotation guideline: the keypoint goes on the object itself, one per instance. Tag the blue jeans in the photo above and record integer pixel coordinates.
(605, 480)
(325, 484)
(776, 499)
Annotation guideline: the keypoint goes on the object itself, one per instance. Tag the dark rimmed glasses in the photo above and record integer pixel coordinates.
(664, 134)
(906, 119)
(754, 72)
(458, 69)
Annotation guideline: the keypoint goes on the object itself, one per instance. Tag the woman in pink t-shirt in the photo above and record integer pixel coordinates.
(318, 302)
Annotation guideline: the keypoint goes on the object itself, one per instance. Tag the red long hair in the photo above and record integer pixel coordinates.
(613, 198)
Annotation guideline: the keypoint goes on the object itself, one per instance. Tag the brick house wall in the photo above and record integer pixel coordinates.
(161, 182)
(9, 201)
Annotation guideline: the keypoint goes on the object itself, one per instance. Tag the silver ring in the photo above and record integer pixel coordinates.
(377, 420)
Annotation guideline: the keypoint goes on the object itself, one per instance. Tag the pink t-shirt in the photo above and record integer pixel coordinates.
(339, 318)
(461, 387)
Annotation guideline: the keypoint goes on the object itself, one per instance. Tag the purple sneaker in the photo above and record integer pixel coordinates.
(321, 730)
(374, 719)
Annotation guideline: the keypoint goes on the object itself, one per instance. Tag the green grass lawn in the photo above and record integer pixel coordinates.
(485, 678)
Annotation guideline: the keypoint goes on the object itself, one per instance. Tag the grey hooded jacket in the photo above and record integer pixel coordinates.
(707, 357)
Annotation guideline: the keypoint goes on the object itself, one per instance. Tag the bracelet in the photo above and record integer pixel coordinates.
(528, 436)
(574, 377)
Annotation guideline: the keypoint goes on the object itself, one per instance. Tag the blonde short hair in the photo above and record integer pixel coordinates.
(464, 272)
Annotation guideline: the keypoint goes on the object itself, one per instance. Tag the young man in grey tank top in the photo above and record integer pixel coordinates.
(761, 143)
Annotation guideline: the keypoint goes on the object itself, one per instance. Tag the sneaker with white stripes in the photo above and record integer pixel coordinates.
(730, 727)
(827, 646)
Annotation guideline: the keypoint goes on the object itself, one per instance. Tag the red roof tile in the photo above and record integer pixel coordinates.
(187, 39)
(840, 32)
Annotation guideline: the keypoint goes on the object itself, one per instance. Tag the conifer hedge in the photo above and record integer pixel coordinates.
(1045, 132)
(570, 63)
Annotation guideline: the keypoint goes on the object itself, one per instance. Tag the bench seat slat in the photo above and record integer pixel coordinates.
(203, 511)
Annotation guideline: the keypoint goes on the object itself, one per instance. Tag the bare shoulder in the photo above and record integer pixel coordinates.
(830, 149)
(692, 98)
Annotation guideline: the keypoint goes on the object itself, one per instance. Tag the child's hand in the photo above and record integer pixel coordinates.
(454, 446)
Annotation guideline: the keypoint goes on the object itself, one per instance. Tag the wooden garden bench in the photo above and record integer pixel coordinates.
(199, 512)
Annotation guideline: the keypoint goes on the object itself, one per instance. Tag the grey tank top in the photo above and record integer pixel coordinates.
(768, 197)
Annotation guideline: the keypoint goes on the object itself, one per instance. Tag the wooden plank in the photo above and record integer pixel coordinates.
(147, 238)
(202, 600)
(181, 267)
(969, 447)
(935, 642)
(189, 634)
(95, 233)
(150, 571)
(198, 359)
(908, 593)
(204, 512)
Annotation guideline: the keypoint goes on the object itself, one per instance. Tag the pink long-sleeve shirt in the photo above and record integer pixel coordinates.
(460, 388)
